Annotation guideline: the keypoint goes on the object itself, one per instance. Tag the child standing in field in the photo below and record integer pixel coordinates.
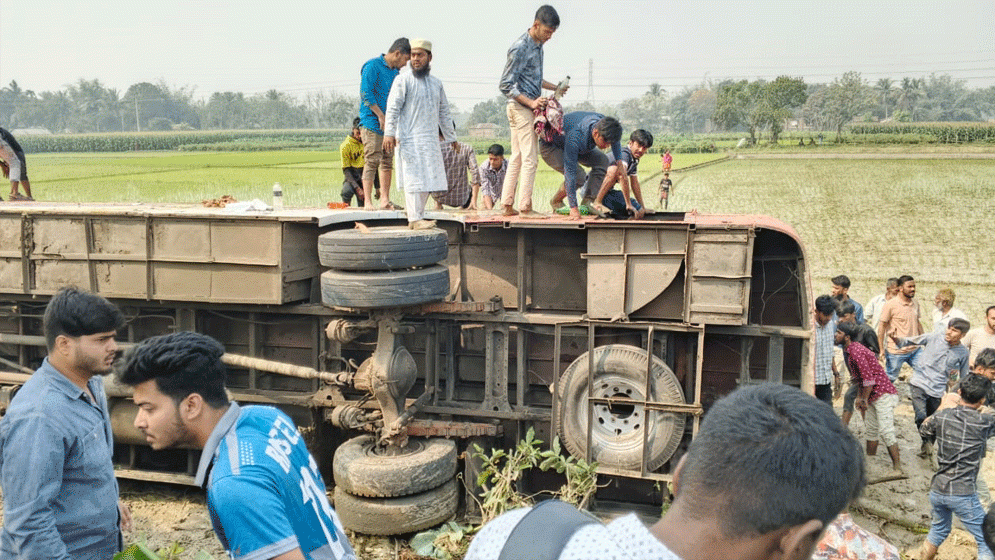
(665, 185)
(667, 160)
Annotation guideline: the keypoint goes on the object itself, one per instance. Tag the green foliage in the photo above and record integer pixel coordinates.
(501, 471)
(759, 105)
(179, 140)
(941, 132)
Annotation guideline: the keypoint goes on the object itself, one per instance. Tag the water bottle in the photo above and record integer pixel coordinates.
(561, 88)
(277, 196)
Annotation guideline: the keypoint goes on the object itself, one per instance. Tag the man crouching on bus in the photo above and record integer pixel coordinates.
(264, 493)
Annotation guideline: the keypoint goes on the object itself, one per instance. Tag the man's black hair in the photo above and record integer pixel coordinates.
(904, 278)
(974, 388)
(985, 358)
(825, 304)
(75, 313)
(849, 329)
(402, 45)
(181, 364)
(770, 456)
(642, 137)
(610, 129)
(355, 122)
(496, 150)
(547, 16)
(963, 325)
(989, 310)
(842, 281)
(846, 307)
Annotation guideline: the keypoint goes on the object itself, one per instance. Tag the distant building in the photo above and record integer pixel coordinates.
(484, 130)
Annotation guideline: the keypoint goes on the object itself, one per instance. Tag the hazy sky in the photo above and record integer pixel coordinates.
(298, 46)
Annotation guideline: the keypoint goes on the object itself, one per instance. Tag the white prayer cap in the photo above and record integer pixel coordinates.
(424, 44)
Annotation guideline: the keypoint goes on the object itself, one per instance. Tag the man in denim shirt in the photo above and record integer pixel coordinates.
(522, 83)
(60, 497)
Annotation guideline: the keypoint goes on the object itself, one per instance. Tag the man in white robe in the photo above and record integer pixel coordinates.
(417, 111)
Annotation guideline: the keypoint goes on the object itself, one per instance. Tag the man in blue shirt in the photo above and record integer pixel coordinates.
(841, 291)
(942, 361)
(60, 497)
(584, 136)
(376, 78)
(264, 493)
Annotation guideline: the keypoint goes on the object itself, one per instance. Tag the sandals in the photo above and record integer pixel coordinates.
(392, 206)
(20, 197)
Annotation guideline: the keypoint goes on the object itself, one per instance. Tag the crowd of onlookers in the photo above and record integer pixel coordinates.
(950, 388)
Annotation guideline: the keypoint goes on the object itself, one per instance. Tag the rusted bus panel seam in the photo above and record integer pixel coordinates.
(91, 266)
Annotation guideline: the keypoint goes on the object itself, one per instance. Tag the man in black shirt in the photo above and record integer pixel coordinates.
(961, 434)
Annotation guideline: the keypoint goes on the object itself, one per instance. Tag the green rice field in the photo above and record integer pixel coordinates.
(867, 218)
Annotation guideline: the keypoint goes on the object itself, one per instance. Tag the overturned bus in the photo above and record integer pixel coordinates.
(396, 350)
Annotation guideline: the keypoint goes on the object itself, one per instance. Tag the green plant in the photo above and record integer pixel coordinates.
(501, 471)
(582, 477)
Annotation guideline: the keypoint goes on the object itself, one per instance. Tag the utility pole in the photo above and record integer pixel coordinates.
(590, 80)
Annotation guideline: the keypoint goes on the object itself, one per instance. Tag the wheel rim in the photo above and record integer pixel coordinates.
(622, 418)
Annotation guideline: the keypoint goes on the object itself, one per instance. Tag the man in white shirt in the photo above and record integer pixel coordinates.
(734, 494)
(872, 312)
(945, 310)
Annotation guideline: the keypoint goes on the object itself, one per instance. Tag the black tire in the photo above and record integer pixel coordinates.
(372, 290)
(397, 516)
(426, 464)
(617, 436)
(382, 248)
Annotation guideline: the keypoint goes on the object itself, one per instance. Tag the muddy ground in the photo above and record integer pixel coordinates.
(173, 517)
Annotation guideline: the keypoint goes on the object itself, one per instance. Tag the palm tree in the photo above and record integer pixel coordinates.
(884, 88)
(910, 93)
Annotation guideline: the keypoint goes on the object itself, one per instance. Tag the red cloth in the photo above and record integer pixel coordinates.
(549, 120)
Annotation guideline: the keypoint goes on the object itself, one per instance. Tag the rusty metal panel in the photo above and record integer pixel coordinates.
(52, 274)
(721, 264)
(119, 237)
(181, 240)
(487, 266)
(10, 236)
(248, 242)
(11, 265)
(121, 279)
(64, 237)
(630, 268)
(558, 276)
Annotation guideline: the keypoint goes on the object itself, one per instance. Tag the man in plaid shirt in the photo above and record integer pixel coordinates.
(826, 375)
(461, 194)
(961, 434)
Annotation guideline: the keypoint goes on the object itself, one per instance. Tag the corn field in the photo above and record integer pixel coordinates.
(941, 132)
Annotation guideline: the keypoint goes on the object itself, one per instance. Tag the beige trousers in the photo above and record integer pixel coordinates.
(524, 158)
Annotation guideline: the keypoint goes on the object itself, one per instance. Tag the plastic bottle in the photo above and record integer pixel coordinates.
(277, 196)
(561, 88)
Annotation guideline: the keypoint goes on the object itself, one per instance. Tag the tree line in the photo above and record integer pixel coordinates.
(88, 106)
(758, 107)
(763, 107)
